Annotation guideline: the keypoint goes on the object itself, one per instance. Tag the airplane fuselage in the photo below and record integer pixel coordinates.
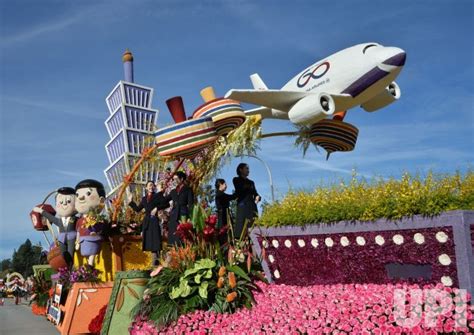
(358, 71)
(362, 75)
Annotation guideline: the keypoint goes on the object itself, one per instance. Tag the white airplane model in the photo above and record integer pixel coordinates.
(362, 75)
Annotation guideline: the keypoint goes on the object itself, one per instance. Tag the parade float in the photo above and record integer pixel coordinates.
(332, 265)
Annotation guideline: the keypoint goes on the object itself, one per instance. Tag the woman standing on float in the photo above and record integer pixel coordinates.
(247, 199)
(183, 202)
(222, 203)
(151, 231)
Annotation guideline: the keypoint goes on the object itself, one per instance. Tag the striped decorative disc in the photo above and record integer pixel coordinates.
(187, 138)
(228, 121)
(334, 135)
(216, 107)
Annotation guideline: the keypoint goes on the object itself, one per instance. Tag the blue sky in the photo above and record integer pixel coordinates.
(59, 60)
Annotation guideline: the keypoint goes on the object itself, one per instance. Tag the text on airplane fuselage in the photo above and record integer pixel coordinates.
(316, 73)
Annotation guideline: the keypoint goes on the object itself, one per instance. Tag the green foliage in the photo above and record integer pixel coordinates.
(25, 257)
(5, 267)
(41, 287)
(194, 281)
(362, 200)
(238, 271)
(156, 304)
(303, 141)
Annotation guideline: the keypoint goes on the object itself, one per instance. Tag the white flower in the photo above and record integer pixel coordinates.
(419, 238)
(240, 256)
(288, 243)
(329, 242)
(265, 244)
(301, 243)
(314, 242)
(398, 239)
(446, 281)
(379, 240)
(360, 240)
(277, 274)
(275, 243)
(344, 241)
(444, 259)
(441, 237)
(271, 258)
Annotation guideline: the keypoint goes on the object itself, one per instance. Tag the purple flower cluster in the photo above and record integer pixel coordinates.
(84, 273)
(330, 309)
(339, 258)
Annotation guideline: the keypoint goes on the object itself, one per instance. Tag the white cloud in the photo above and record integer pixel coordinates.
(69, 109)
(43, 28)
(70, 173)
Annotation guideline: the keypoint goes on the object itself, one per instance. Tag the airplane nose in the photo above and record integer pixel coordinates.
(397, 60)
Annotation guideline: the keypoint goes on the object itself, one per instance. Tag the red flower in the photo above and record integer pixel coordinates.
(95, 326)
(211, 220)
(208, 233)
(223, 230)
(185, 230)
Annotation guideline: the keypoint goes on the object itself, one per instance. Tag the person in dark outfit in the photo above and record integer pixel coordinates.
(222, 203)
(247, 199)
(151, 231)
(183, 201)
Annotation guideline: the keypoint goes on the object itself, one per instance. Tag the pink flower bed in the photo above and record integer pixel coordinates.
(332, 309)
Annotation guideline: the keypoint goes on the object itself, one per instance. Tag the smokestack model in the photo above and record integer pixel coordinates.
(128, 65)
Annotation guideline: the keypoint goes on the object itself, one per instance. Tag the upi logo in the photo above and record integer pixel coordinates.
(432, 308)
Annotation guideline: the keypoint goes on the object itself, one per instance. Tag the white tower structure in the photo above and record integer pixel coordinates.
(130, 127)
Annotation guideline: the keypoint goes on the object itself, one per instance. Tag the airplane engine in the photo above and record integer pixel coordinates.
(390, 94)
(312, 108)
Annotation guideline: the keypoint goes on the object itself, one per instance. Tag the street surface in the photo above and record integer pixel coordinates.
(19, 320)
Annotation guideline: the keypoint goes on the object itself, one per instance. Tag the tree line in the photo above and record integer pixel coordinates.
(23, 259)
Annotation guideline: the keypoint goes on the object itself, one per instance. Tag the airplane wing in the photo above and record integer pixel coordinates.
(282, 100)
(276, 99)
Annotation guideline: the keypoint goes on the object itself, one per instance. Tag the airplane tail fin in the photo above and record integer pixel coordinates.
(258, 83)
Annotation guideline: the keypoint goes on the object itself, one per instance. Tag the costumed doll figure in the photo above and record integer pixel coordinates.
(247, 200)
(65, 220)
(151, 231)
(183, 201)
(90, 199)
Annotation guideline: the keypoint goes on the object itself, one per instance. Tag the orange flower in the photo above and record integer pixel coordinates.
(221, 271)
(231, 297)
(37, 310)
(249, 261)
(220, 282)
(230, 255)
(232, 280)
